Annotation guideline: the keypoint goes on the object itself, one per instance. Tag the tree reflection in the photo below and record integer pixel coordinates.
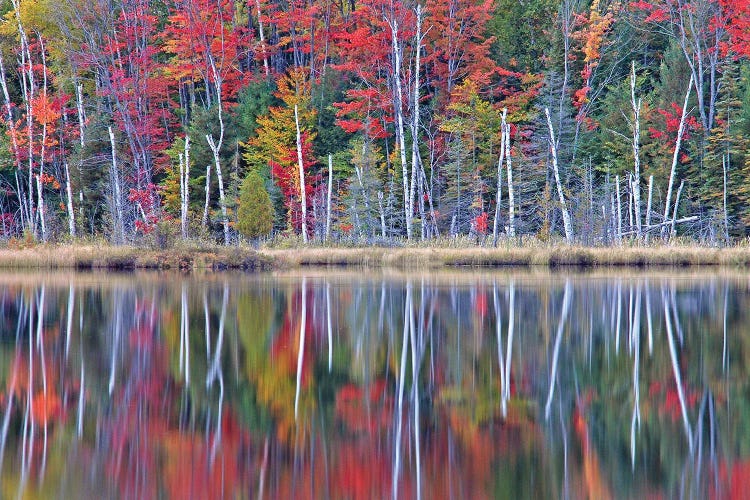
(356, 386)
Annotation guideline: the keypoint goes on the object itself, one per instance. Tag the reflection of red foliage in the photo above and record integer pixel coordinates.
(362, 410)
(671, 399)
(734, 480)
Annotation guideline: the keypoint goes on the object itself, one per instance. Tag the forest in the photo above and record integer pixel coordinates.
(375, 121)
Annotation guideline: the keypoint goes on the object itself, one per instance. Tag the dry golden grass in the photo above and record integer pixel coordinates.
(124, 257)
(414, 258)
(673, 256)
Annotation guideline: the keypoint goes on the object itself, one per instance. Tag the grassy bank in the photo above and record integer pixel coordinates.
(130, 258)
(216, 258)
(559, 256)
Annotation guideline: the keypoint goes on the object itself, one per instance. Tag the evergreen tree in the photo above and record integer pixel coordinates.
(255, 211)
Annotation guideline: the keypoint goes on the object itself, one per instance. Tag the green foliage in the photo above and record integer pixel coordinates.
(255, 212)
(514, 21)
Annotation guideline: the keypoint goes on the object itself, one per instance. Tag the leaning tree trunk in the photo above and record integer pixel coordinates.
(563, 206)
(675, 155)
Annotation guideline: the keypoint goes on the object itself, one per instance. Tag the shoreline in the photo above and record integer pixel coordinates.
(105, 257)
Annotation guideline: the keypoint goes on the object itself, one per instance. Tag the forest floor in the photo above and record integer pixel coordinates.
(198, 257)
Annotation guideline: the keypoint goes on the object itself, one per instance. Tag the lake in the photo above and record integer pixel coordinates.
(375, 384)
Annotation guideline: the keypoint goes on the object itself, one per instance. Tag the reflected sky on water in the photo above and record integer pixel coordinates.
(354, 384)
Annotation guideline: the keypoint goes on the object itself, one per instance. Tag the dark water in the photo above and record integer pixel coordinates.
(355, 385)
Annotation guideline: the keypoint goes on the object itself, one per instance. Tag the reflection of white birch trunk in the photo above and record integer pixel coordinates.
(301, 348)
(415, 390)
(636, 349)
(400, 406)
(184, 335)
(330, 329)
(556, 351)
(69, 322)
(676, 371)
(499, 336)
(117, 299)
(509, 350)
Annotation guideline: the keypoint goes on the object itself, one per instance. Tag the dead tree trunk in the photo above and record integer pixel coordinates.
(330, 192)
(636, 152)
(69, 195)
(499, 194)
(300, 163)
(511, 196)
(563, 206)
(398, 108)
(675, 155)
(415, 123)
(119, 229)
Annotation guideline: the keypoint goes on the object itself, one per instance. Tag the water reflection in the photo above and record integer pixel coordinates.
(346, 385)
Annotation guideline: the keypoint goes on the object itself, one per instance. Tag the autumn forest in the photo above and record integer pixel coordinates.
(586, 121)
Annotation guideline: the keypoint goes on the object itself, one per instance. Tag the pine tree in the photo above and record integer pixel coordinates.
(255, 211)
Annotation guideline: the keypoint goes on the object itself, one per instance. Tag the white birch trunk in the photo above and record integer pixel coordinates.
(301, 165)
(215, 148)
(119, 230)
(675, 155)
(563, 206)
(328, 201)
(398, 108)
(415, 121)
(499, 194)
(262, 38)
(204, 219)
(511, 196)
(674, 213)
(184, 190)
(619, 210)
(71, 212)
(636, 152)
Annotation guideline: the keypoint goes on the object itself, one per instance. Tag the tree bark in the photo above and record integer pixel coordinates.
(69, 193)
(300, 163)
(398, 108)
(119, 229)
(415, 122)
(204, 219)
(563, 206)
(499, 194)
(330, 192)
(676, 153)
(636, 105)
(511, 196)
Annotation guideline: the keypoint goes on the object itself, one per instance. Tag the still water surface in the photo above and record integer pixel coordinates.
(334, 384)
